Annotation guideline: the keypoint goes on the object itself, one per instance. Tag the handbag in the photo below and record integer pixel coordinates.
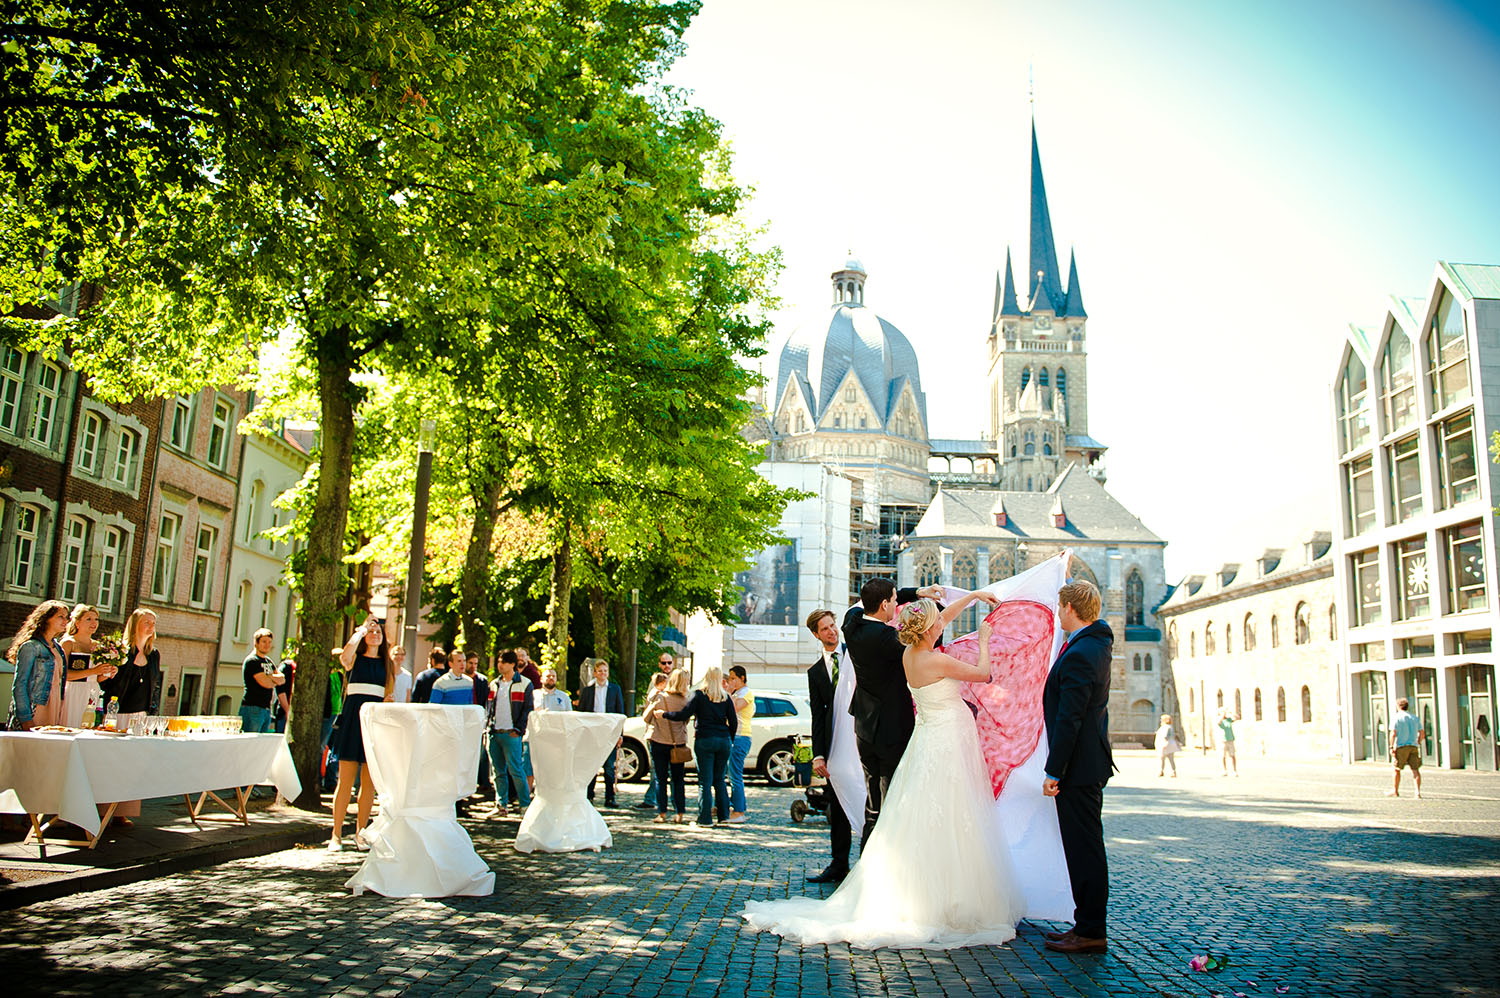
(681, 753)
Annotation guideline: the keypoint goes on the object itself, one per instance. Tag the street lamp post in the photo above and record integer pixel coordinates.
(412, 612)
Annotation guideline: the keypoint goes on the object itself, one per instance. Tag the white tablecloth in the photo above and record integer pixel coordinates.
(567, 749)
(423, 757)
(68, 775)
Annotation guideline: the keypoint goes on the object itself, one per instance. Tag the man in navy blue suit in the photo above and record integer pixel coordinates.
(1075, 703)
(604, 697)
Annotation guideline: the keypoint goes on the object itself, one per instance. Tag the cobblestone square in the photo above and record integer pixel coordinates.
(1305, 876)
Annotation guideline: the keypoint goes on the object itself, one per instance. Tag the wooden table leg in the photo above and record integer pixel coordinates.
(35, 835)
(192, 809)
(104, 821)
(243, 796)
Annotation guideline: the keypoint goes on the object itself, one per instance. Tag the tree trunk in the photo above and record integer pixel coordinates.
(599, 613)
(555, 651)
(474, 583)
(324, 577)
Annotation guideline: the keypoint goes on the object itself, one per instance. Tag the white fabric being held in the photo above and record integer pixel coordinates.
(567, 749)
(936, 872)
(423, 757)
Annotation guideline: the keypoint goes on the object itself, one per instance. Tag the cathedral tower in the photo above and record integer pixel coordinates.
(1038, 361)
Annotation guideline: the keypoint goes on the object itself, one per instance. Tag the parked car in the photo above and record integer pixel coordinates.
(778, 717)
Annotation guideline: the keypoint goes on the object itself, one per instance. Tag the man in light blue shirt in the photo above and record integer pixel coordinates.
(549, 697)
(1406, 736)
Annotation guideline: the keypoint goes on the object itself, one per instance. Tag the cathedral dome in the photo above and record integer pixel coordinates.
(821, 353)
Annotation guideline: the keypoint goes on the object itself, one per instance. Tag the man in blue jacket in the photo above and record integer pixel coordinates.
(509, 708)
(1075, 704)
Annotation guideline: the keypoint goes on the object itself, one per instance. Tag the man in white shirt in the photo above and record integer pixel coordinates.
(402, 693)
(603, 697)
(549, 697)
(822, 681)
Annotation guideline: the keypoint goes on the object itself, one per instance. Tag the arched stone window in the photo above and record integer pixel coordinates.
(1257, 703)
(1239, 709)
(1135, 600)
(1228, 639)
(966, 576)
(1148, 661)
(1208, 639)
(1306, 705)
(1135, 665)
(1281, 704)
(1191, 706)
(1062, 382)
(929, 568)
(1303, 619)
(1193, 644)
(1221, 699)
(1041, 377)
(1025, 377)
(1172, 640)
(1249, 632)
(1275, 632)
(1333, 622)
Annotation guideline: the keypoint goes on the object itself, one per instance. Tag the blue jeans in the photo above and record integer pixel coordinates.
(257, 719)
(661, 766)
(737, 753)
(506, 758)
(713, 760)
(609, 779)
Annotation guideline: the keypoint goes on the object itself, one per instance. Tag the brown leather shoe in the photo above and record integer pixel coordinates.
(1072, 943)
(1057, 936)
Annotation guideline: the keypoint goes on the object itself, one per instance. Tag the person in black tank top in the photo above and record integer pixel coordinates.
(372, 677)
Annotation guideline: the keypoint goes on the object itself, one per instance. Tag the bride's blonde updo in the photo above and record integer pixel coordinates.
(915, 620)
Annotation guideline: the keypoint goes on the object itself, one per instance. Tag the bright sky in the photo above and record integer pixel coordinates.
(1240, 182)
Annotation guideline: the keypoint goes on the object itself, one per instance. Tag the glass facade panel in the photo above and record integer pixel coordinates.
(1458, 475)
(1354, 397)
(1464, 545)
(1398, 382)
(1447, 354)
(1412, 569)
(1360, 482)
(1365, 568)
(1405, 463)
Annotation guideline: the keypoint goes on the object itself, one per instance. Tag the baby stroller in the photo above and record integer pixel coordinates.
(814, 797)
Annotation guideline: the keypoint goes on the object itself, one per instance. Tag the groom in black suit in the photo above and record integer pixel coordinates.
(1075, 704)
(884, 714)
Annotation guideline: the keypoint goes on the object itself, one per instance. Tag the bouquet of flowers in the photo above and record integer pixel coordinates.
(110, 651)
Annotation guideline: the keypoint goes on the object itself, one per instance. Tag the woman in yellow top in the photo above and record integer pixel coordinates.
(744, 709)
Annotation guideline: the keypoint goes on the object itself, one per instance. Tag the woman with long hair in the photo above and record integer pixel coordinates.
(78, 645)
(666, 736)
(136, 684)
(37, 691)
(713, 735)
(372, 679)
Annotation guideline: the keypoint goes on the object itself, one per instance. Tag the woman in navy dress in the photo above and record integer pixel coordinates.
(372, 679)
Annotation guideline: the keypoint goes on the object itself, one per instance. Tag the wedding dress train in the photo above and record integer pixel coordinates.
(936, 872)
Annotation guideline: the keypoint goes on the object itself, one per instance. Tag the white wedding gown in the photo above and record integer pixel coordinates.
(936, 872)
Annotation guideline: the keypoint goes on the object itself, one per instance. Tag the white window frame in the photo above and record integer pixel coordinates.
(91, 436)
(267, 604)
(180, 433)
(27, 539)
(242, 610)
(219, 434)
(111, 561)
(74, 568)
(127, 458)
(164, 562)
(252, 509)
(44, 403)
(200, 587)
(12, 387)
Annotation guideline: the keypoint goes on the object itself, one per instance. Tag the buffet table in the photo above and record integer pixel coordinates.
(69, 775)
(567, 749)
(423, 758)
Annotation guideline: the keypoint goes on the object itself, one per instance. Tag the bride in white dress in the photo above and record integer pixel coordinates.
(936, 872)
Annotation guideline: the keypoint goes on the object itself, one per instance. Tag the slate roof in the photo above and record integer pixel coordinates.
(1043, 250)
(854, 338)
(949, 445)
(1295, 558)
(1093, 514)
(1083, 441)
(1008, 303)
(1074, 308)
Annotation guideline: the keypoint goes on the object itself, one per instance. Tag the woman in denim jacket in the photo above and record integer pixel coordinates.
(36, 698)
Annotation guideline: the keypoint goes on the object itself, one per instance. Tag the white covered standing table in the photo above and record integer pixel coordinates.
(423, 757)
(567, 749)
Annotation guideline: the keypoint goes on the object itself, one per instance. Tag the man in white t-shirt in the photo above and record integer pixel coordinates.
(402, 692)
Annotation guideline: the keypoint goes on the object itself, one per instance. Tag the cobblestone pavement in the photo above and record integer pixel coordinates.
(1303, 875)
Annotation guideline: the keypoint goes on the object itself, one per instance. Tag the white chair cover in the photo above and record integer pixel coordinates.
(567, 749)
(423, 758)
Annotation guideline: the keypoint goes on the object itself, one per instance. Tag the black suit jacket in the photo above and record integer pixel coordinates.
(1075, 703)
(614, 700)
(820, 698)
(884, 714)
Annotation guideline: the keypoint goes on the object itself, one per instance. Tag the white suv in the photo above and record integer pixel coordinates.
(778, 717)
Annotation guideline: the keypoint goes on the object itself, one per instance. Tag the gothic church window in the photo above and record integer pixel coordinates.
(1275, 632)
(1062, 382)
(1208, 639)
(1304, 624)
(1025, 377)
(1257, 703)
(966, 576)
(1249, 636)
(1281, 704)
(1135, 600)
(1306, 705)
(1041, 377)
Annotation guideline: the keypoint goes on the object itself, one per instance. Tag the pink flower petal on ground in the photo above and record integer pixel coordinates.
(1198, 962)
(1282, 989)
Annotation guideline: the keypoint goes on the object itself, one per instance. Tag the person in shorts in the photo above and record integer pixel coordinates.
(1406, 734)
(1227, 757)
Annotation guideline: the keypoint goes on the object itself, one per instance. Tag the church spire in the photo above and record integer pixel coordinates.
(1048, 289)
(1005, 300)
(1074, 308)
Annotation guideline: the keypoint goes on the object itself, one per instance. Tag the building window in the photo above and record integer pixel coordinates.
(1406, 479)
(252, 510)
(203, 566)
(1354, 415)
(164, 568)
(849, 393)
(241, 610)
(1464, 545)
(1041, 377)
(90, 443)
(1025, 377)
(1192, 644)
(1366, 571)
(1275, 632)
(1208, 639)
(1306, 705)
(267, 604)
(218, 436)
(1249, 635)
(1398, 389)
(44, 406)
(12, 380)
(25, 547)
(1135, 600)
(111, 557)
(1172, 640)
(1191, 705)
(966, 577)
(1135, 665)
(1333, 622)
(1221, 700)
(1303, 623)
(1412, 569)
(75, 545)
(1447, 354)
(1062, 383)
(929, 569)
(1458, 476)
(1281, 704)
(181, 423)
(127, 458)
(1359, 484)
(1257, 703)
(1148, 662)
(1228, 639)
(1239, 707)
